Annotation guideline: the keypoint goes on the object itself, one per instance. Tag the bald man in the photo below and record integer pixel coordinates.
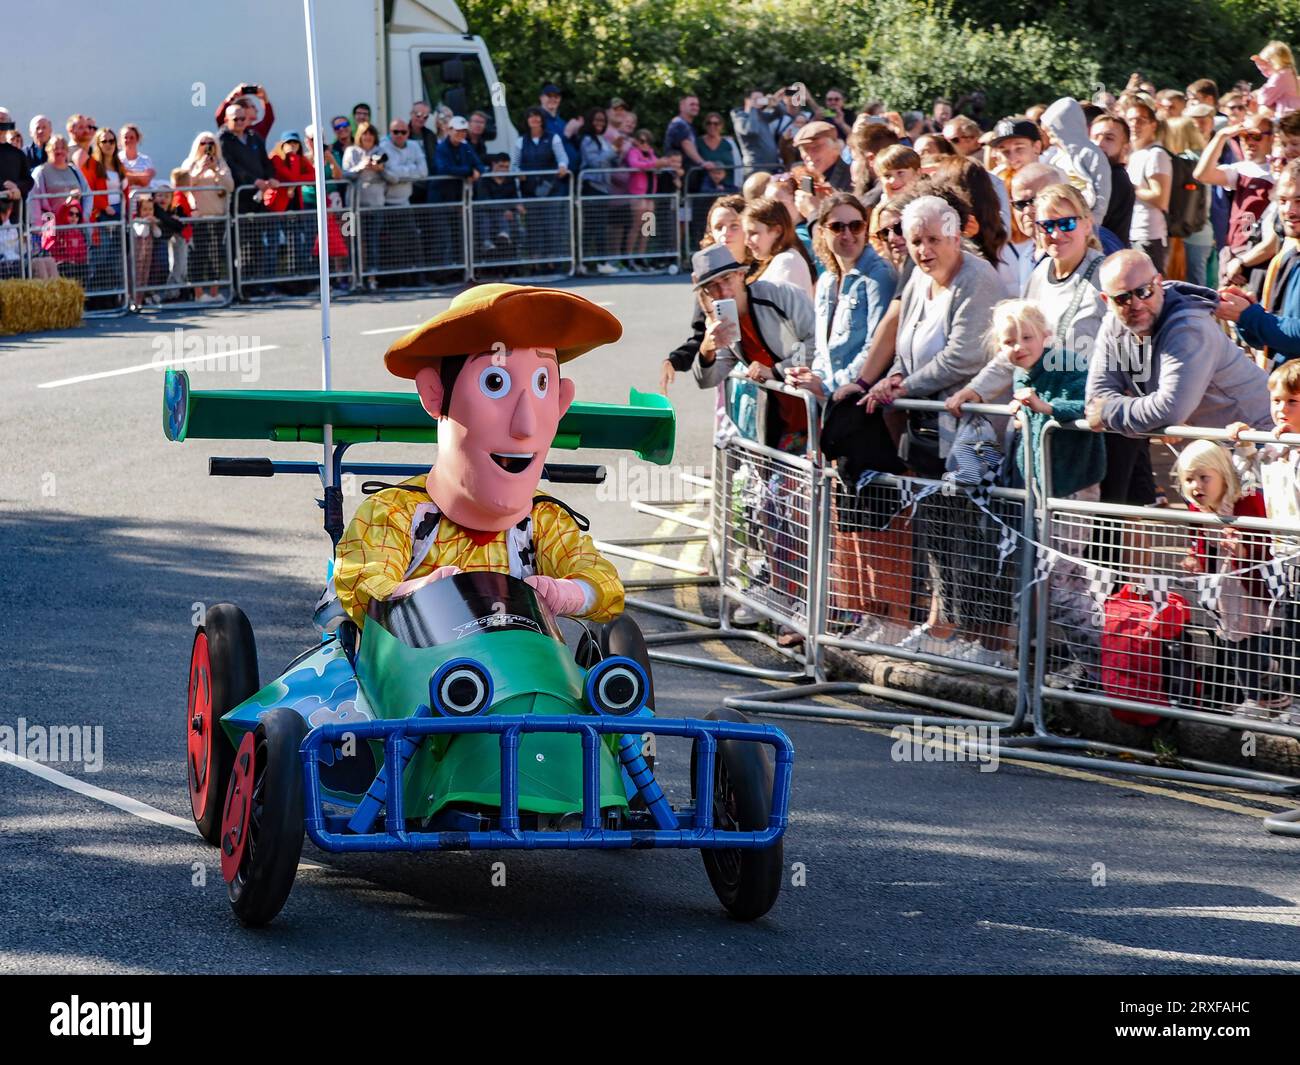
(1161, 358)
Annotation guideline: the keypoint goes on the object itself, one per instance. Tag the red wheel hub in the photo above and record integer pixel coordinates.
(237, 816)
(200, 726)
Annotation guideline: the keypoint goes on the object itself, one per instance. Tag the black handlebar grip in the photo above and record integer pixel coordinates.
(573, 473)
(242, 467)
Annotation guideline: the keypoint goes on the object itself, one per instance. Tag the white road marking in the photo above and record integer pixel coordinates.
(125, 803)
(169, 364)
(1274, 915)
(389, 329)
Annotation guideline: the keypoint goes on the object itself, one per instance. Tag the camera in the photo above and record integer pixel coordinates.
(382, 157)
(249, 90)
(5, 127)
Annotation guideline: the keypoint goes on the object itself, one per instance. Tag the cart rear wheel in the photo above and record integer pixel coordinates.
(746, 882)
(262, 826)
(223, 673)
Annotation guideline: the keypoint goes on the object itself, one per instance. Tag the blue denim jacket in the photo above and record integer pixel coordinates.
(842, 341)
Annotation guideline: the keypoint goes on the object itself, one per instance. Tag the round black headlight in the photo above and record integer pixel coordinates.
(617, 686)
(460, 688)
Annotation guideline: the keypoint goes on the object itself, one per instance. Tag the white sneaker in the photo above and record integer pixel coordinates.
(744, 617)
(918, 639)
(606, 268)
(1251, 708)
(976, 653)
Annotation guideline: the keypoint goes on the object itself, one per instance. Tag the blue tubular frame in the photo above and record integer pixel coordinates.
(694, 827)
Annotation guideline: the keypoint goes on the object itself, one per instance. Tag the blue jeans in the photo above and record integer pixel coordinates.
(1198, 262)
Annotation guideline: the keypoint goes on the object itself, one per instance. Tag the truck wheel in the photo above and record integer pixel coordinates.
(262, 827)
(747, 882)
(223, 673)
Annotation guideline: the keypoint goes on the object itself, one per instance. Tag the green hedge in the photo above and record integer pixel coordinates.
(905, 52)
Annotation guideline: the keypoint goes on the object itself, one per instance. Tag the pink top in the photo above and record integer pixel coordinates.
(639, 184)
(1280, 93)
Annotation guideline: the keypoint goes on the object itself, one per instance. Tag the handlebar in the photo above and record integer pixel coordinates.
(555, 472)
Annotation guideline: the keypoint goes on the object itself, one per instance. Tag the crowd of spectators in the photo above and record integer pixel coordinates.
(1128, 262)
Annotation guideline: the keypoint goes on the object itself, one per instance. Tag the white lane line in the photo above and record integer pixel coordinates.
(110, 798)
(389, 329)
(125, 803)
(152, 365)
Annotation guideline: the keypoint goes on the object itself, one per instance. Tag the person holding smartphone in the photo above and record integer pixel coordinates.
(247, 95)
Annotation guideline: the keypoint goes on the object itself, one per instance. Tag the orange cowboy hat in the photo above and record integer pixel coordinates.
(518, 316)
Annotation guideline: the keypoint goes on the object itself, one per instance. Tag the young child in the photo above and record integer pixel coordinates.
(1211, 484)
(1276, 467)
(1281, 90)
(1049, 383)
(171, 209)
(144, 231)
(10, 242)
(500, 226)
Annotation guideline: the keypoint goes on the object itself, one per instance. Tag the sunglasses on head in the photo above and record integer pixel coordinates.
(1023, 205)
(1051, 225)
(885, 232)
(855, 227)
(1142, 292)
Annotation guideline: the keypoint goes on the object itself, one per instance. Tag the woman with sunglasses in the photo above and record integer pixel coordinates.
(1151, 172)
(887, 236)
(1251, 182)
(714, 147)
(1065, 286)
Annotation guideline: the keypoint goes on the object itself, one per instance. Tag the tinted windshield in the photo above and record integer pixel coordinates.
(464, 605)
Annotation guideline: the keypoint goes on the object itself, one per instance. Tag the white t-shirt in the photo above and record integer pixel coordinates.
(789, 268)
(140, 162)
(114, 183)
(921, 339)
(1148, 222)
(1247, 171)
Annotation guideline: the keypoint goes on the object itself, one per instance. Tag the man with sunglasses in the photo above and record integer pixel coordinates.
(1161, 358)
(263, 126)
(342, 135)
(1251, 182)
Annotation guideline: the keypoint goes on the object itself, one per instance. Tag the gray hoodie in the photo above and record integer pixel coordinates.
(1186, 373)
(1073, 152)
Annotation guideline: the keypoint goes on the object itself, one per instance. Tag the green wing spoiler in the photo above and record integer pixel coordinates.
(645, 426)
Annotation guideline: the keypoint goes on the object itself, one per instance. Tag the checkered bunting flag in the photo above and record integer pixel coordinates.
(1006, 545)
(1207, 592)
(1099, 582)
(1275, 577)
(1157, 586)
(1043, 564)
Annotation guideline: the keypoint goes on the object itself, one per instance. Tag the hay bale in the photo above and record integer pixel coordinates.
(31, 306)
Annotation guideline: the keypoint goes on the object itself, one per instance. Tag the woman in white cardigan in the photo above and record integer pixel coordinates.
(772, 241)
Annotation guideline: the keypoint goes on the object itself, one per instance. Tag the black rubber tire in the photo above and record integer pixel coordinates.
(746, 882)
(233, 677)
(265, 876)
(622, 636)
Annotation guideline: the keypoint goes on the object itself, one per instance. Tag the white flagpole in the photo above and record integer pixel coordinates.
(322, 235)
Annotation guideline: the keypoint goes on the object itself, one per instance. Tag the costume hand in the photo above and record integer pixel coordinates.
(563, 597)
(407, 587)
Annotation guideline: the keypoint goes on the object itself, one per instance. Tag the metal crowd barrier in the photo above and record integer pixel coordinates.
(619, 227)
(170, 269)
(522, 218)
(473, 233)
(1071, 600)
(767, 558)
(14, 238)
(278, 247)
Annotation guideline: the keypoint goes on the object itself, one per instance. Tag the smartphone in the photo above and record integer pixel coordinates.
(806, 183)
(248, 90)
(725, 309)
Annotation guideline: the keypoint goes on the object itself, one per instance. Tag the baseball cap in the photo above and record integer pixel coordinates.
(1198, 110)
(617, 102)
(458, 122)
(550, 88)
(813, 130)
(1015, 127)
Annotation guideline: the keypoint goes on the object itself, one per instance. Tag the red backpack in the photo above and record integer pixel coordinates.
(1134, 640)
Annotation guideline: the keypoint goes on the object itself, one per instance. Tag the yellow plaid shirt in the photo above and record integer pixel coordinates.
(375, 552)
